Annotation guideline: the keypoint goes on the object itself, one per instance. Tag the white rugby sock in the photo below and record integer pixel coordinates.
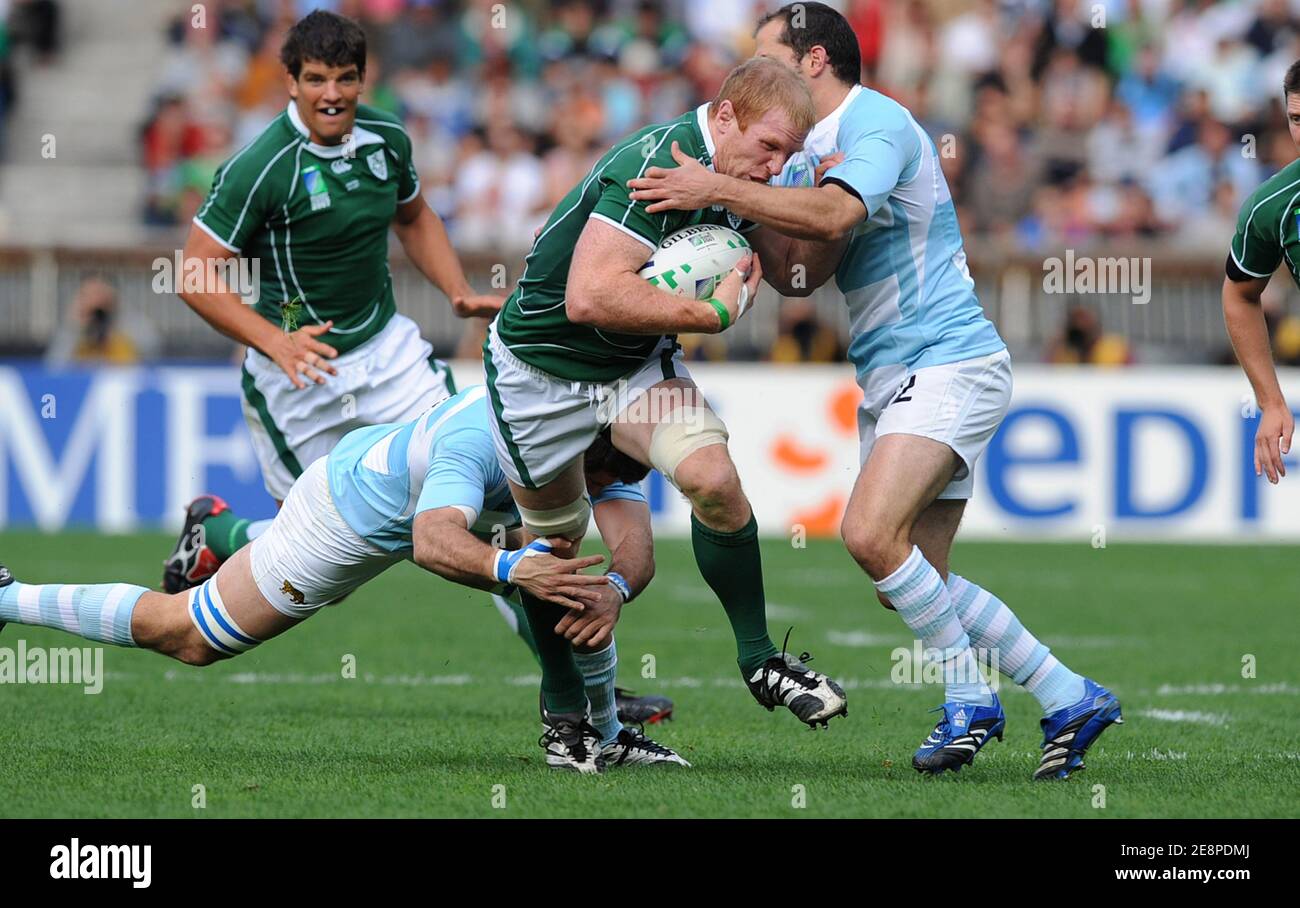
(992, 626)
(99, 611)
(919, 595)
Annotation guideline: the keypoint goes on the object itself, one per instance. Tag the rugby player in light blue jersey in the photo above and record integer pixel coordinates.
(867, 202)
(428, 491)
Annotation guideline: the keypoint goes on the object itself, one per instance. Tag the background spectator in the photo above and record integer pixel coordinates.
(95, 333)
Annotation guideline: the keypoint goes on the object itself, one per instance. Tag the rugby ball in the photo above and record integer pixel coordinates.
(693, 260)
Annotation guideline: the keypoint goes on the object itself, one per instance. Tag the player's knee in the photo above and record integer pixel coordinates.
(187, 645)
(710, 481)
(870, 548)
(196, 652)
(691, 449)
(212, 633)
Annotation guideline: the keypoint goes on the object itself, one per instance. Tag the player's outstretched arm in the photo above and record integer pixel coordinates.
(625, 528)
(424, 237)
(443, 544)
(1244, 318)
(299, 353)
(605, 291)
(824, 213)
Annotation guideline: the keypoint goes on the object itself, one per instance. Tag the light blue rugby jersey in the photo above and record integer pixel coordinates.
(382, 476)
(911, 299)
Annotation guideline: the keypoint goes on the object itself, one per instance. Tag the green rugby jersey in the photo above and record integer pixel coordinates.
(533, 322)
(316, 218)
(1268, 226)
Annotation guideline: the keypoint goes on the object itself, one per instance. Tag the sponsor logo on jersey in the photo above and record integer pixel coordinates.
(342, 165)
(378, 164)
(352, 184)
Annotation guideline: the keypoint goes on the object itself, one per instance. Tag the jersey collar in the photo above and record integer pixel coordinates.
(702, 123)
(360, 136)
(830, 123)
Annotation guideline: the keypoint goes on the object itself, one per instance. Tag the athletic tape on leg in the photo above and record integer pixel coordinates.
(570, 521)
(688, 429)
(219, 630)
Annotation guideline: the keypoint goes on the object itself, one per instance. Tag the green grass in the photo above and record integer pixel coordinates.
(444, 705)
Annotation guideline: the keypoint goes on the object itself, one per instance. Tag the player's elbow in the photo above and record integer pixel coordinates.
(580, 305)
(837, 216)
(836, 225)
(425, 555)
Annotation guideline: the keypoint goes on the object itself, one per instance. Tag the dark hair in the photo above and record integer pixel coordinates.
(327, 38)
(603, 457)
(808, 25)
(1291, 84)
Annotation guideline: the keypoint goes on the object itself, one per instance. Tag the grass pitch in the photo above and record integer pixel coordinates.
(442, 710)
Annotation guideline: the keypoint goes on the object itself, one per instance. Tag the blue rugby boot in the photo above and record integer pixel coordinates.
(962, 731)
(1069, 732)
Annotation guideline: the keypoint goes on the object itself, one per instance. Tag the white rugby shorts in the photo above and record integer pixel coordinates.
(542, 423)
(960, 404)
(309, 556)
(392, 377)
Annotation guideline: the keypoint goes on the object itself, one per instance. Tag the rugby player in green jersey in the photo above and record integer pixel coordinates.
(311, 201)
(585, 343)
(1268, 234)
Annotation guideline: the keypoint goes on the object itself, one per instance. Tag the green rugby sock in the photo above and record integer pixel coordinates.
(732, 566)
(226, 533)
(563, 688)
(513, 613)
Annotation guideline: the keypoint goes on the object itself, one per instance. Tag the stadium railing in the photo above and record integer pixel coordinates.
(1181, 322)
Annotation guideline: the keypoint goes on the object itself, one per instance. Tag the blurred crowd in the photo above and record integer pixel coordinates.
(32, 22)
(1059, 123)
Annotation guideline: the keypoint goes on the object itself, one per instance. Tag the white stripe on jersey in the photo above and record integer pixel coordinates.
(376, 459)
(252, 192)
(419, 449)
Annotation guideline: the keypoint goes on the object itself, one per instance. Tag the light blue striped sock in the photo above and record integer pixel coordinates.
(99, 612)
(992, 626)
(598, 673)
(918, 594)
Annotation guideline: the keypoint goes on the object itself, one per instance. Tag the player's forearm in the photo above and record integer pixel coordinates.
(634, 559)
(459, 556)
(228, 314)
(626, 303)
(429, 248)
(804, 214)
(1248, 332)
(625, 529)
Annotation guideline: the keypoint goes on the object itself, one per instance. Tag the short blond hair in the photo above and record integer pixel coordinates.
(759, 84)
